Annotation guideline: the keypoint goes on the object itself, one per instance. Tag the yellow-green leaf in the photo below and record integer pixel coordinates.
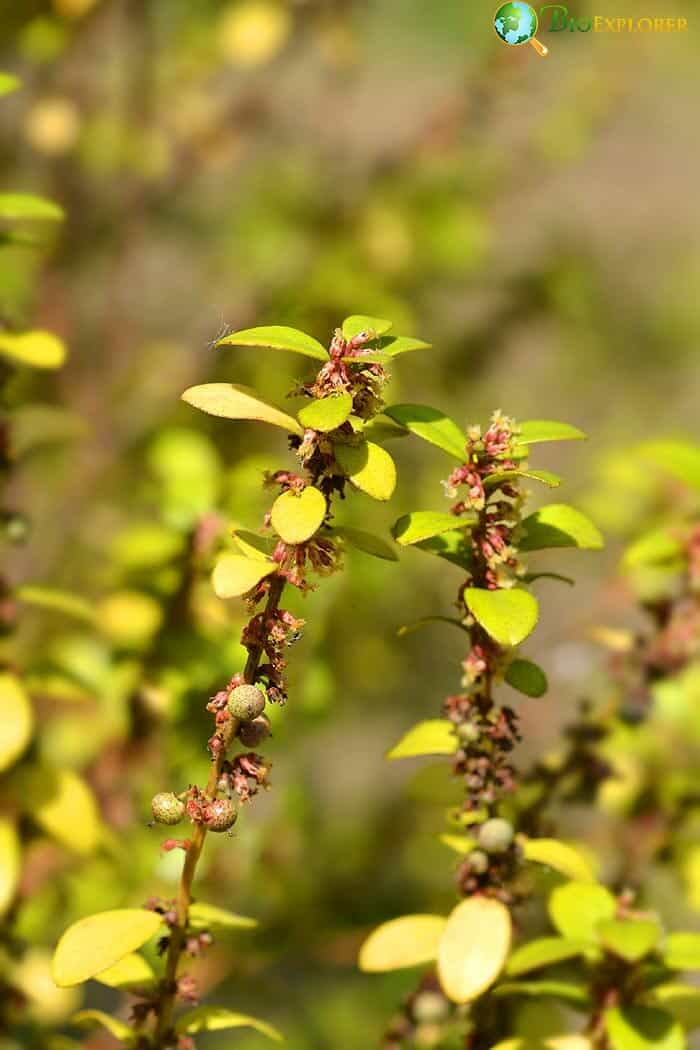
(210, 917)
(216, 1018)
(431, 425)
(91, 1018)
(63, 806)
(235, 402)
(234, 574)
(327, 413)
(252, 545)
(461, 844)
(296, 517)
(352, 326)
(56, 601)
(533, 431)
(409, 941)
(560, 857)
(277, 337)
(133, 971)
(36, 349)
(630, 939)
(682, 951)
(8, 83)
(558, 525)
(577, 907)
(545, 951)
(421, 525)
(28, 206)
(643, 1028)
(9, 863)
(474, 948)
(16, 719)
(396, 345)
(681, 1000)
(97, 942)
(369, 467)
(435, 736)
(366, 542)
(508, 616)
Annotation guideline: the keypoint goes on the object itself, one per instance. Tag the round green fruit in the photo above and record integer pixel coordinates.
(167, 808)
(246, 702)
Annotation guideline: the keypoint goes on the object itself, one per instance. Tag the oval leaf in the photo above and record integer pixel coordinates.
(367, 542)
(421, 525)
(431, 425)
(327, 413)
(508, 616)
(560, 857)
(63, 805)
(35, 349)
(558, 525)
(277, 337)
(682, 951)
(527, 678)
(235, 402)
(56, 601)
(409, 941)
(578, 907)
(352, 326)
(216, 1018)
(235, 574)
(369, 467)
(643, 1028)
(16, 718)
(433, 737)
(92, 1018)
(295, 518)
(630, 939)
(209, 917)
(546, 951)
(474, 947)
(28, 206)
(394, 346)
(9, 863)
(681, 1000)
(568, 991)
(130, 972)
(97, 942)
(532, 431)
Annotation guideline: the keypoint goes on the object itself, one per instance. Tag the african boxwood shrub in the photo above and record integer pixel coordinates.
(608, 958)
(335, 438)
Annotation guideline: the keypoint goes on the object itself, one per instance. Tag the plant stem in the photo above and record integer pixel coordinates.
(184, 894)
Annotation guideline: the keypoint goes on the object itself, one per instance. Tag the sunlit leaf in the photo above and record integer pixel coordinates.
(252, 545)
(394, 346)
(409, 941)
(8, 83)
(367, 542)
(533, 431)
(474, 948)
(433, 737)
(209, 917)
(577, 907)
(631, 939)
(653, 548)
(682, 951)
(10, 859)
(560, 857)
(56, 601)
(369, 467)
(367, 357)
(63, 805)
(94, 1018)
(16, 719)
(546, 477)
(235, 402)
(558, 525)
(643, 1028)
(235, 574)
(567, 991)
(29, 206)
(35, 349)
(546, 951)
(277, 337)
(681, 1000)
(296, 517)
(326, 413)
(97, 942)
(431, 425)
(217, 1018)
(508, 616)
(421, 525)
(527, 678)
(678, 458)
(358, 323)
(461, 844)
(133, 971)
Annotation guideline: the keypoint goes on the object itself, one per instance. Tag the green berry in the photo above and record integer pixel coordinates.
(430, 1008)
(251, 734)
(220, 814)
(246, 702)
(496, 835)
(478, 862)
(468, 732)
(167, 808)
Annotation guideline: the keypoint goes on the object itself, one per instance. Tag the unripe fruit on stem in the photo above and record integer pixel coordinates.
(478, 862)
(253, 733)
(246, 702)
(430, 1008)
(468, 733)
(496, 835)
(220, 814)
(167, 808)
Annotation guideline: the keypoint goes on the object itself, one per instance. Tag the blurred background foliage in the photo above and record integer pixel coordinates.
(225, 164)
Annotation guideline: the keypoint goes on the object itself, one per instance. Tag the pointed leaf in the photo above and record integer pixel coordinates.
(558, 525)
(352, 326)
(508, 616)
(527, 678)
(532, 431)
(56, 601)
(546, 951)
(128, 973)
(631, 939)
(643, 1028)
(97, 942)
(10, 859)
(560, 857)
(394, 346)
(369, 467)
(16, 719)
(327, 413)
(474, 948)
(117, 1028)
(217, 1018)
(295, 518)
(682, 951)
(277, 337)
(421, 525)
(578, 907)
(209, 917)
(28, 206)
(35, 349)
(367, 542)
(433, 737)
(235, 402)
(431, 425)
(568, 991)
(552, 481)
(252, 545)
(235, 575)
(409, 941)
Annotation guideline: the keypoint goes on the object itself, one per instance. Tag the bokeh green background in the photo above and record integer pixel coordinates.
(230, 164)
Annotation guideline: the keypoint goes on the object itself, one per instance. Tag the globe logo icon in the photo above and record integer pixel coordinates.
(516, 23)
